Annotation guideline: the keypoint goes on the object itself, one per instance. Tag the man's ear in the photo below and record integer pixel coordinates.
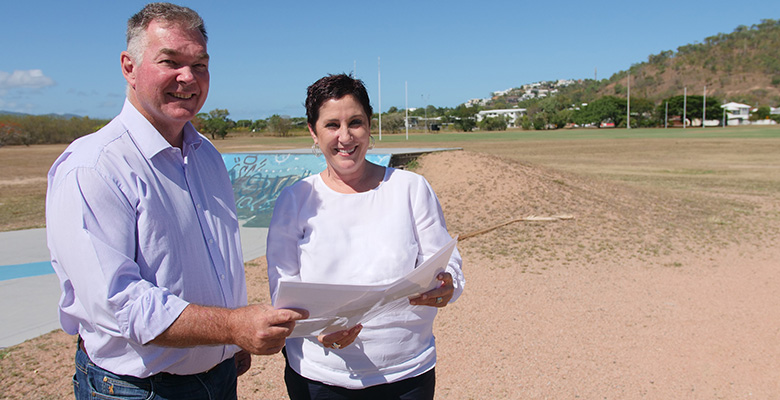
(128, 68)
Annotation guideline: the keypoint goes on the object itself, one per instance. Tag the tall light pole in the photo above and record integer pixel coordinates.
(628, 103)
(379, 78)
(685, 106)
(704, 109)
(406, 99)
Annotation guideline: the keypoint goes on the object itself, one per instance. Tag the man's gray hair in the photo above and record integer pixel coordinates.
(170, 13)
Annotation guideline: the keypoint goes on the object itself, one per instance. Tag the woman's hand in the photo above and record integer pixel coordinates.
(438, 297)
(340, 339)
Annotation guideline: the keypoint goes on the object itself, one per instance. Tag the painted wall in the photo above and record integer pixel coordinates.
(258, 178)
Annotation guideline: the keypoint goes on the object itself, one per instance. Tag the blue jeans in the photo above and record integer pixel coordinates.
(92, 382)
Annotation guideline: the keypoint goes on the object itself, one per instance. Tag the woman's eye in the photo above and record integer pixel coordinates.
(356, 122)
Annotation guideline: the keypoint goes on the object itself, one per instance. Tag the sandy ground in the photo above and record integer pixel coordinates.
(643, 295)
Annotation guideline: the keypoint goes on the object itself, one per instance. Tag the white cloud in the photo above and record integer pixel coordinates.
(33, 78)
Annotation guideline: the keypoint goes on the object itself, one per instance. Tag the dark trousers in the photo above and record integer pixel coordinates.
(92, 382)
(417, 388)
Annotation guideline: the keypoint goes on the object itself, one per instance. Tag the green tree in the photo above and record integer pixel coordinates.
(280, 125)
(497, 123)
(604, 109)
(216, 123)
(393, 122)
(761, 113)
(464, 119)
(642, 110)
(691, 107)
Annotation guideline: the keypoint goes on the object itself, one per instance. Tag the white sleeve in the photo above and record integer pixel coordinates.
(431, 231)
(282, 249)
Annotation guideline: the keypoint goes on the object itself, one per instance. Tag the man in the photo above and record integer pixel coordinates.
(142, 229)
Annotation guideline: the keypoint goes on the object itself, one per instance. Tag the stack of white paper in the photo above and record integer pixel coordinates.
(335, 307)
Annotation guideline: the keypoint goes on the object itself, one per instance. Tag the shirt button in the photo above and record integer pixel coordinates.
(222, 276)
(211, 241)
(198, 206)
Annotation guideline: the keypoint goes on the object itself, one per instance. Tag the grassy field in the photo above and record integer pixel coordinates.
(735, 161)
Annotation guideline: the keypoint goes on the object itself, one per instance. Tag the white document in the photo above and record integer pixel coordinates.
(334, 307)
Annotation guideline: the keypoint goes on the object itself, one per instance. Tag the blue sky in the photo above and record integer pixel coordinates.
(63, 56)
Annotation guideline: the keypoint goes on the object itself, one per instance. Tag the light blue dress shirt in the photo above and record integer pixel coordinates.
(138, 230)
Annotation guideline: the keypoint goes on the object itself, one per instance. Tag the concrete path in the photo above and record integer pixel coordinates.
(30, 291)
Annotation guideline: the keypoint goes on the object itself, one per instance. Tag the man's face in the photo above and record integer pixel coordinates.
(170, 84)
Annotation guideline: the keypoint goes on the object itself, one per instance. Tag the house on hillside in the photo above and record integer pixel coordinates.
(513, 114)
(737, 113)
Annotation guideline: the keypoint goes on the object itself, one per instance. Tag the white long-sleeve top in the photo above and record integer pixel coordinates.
(375, 237)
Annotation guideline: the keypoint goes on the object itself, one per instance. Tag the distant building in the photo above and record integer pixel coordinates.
(737, 113)
(513, 114)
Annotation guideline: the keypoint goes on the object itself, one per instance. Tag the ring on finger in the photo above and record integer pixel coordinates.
(335, 345)
(439, 300)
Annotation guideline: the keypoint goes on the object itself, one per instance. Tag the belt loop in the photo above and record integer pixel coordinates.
(81, 346)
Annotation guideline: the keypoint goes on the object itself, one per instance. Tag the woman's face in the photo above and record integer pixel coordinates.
(342, 133)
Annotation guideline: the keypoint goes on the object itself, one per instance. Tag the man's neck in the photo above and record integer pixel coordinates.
(172, 132)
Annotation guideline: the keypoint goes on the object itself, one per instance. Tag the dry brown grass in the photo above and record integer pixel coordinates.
(23, 184)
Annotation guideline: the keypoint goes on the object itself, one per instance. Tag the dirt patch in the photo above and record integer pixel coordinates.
(644, 294)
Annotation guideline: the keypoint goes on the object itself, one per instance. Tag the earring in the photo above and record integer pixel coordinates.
(315, 150)
(372, 143)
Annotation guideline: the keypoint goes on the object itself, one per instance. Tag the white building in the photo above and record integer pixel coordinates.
(513, 114)
(737, 113)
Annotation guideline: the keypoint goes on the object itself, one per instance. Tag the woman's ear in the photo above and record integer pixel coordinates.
(312, 133)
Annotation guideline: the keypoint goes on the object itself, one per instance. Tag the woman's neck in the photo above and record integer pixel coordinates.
(369, 178)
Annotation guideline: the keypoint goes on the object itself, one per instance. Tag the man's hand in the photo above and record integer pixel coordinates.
(257, 328)
(261, 329)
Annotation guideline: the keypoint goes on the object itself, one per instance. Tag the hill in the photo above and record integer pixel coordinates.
(742, 66)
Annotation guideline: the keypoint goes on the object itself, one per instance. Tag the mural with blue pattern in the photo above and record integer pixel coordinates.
(258, 178)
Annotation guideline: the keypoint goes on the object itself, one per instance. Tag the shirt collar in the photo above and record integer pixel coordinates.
(146, 136)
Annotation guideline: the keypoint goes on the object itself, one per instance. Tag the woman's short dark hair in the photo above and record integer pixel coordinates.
(335, 87)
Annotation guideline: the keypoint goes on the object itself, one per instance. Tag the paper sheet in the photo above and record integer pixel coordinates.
(335, 307)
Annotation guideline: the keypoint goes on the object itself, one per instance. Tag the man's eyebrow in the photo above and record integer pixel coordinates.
(172, 52)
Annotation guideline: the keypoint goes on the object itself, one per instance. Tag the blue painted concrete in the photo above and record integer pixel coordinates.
(25, 270)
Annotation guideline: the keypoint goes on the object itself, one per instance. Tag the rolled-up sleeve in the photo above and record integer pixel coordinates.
(93, 233)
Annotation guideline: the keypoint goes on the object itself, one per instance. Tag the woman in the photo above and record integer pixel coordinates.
(359, 223)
